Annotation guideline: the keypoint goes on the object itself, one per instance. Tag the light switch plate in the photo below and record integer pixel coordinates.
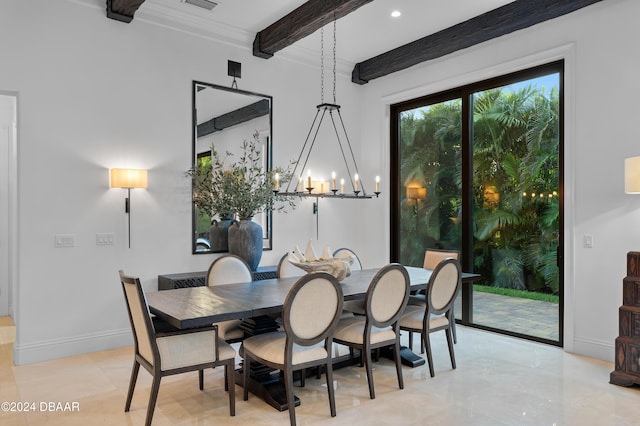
(65, 240)
(105, 239)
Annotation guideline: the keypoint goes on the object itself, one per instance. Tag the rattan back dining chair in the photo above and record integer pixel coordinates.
(229, 269)
(168, 353)
(385, 301)
(442, 289)
(309, 315)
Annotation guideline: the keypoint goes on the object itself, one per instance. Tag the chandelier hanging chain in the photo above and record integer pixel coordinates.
(312, 136)
(322, 65)
(334, 58)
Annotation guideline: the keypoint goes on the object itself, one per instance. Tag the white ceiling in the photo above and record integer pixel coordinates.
(365, 33)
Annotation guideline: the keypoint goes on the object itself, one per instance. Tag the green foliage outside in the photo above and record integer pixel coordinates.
(515, 154)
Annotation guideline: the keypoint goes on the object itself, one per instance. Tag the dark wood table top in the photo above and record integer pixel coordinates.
(200, 306)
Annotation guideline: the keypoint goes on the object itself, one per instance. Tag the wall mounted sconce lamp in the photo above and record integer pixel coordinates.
(632, 175)
(415, 195)
(128, 178)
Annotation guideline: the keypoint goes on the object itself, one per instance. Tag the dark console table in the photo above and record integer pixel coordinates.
(197, 279)
(627, 354)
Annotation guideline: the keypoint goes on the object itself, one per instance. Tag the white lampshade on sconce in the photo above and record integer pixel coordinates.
(128, 178)
(632, 175)
(415, 195)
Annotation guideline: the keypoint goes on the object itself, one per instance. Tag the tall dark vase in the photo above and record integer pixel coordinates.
(219, 234)
(245, 240)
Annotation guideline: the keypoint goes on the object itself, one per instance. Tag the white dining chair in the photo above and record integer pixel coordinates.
(168, 353)
(433, 257)
(309, 316)
(437, 314)
(385, 301)
(229, 269)
(351, 306)
(286, 270)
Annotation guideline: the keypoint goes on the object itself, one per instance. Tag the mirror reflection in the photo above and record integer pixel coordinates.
(226, 117)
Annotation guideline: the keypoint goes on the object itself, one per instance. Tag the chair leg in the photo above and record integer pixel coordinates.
(201, 379)
(303, 376)
(410, 340)
(452, 321)
(450, 343)
(330, 390)
(230, 384)
(153, 397)
(291, 403)
(245, 376)
(367, 364)
(427, 344)
(132, 384)
(398, 361)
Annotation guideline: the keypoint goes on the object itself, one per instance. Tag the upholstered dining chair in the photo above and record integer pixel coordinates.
(285, 269)
(385, 301)
(309, 315)
(356, 265)
(437, 314)
(432, 257)
(174, 352)
(352, 306)
(229, 269)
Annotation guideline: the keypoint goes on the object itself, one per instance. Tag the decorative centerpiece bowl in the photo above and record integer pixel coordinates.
(339, 267)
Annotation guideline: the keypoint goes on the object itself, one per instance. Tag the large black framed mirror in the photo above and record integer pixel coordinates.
(225, 117)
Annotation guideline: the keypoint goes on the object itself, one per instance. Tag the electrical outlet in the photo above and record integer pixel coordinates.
(65, 240)
(105, 239)
(588, 241)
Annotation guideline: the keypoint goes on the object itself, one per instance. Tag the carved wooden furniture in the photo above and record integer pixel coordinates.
(627, 352)
(197, 279)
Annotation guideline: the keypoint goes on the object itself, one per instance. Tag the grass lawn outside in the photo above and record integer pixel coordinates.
(552, 298)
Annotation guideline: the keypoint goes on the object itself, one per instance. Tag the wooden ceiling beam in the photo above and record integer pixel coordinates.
(303, 21)
(122, 10)
(495, 23)
(238, 116)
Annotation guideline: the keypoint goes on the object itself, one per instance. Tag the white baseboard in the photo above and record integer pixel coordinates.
(603, 350)
(59, 348)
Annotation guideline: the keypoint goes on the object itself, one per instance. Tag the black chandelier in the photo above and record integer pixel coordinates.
(331, 189)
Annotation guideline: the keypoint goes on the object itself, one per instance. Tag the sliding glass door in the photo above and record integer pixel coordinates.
(478, 169)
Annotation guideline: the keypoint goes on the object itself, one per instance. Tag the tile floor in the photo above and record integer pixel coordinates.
(499, 381)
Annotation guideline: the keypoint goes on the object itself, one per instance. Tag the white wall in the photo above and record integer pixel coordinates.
(599, 44)
(7, 130)
(95, 93)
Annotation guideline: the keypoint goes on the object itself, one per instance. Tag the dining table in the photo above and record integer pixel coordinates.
(193, 307)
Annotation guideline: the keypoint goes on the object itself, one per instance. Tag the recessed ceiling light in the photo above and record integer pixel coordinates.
(395, 14)
(205, 4)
